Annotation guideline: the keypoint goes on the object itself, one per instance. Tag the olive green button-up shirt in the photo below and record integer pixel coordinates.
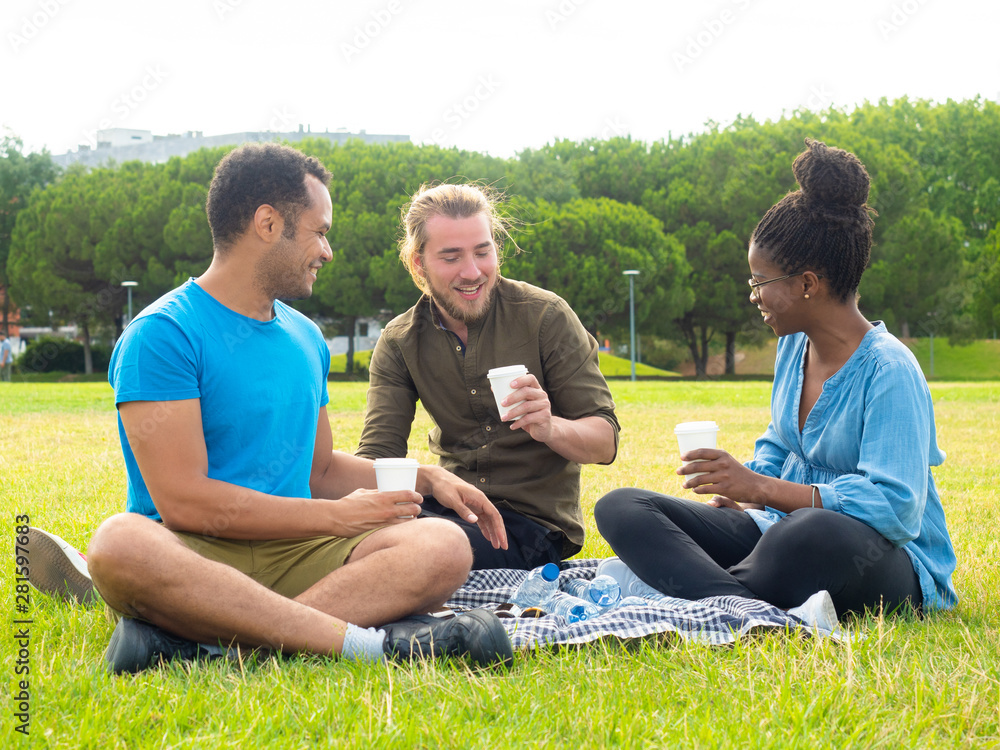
(415, 358)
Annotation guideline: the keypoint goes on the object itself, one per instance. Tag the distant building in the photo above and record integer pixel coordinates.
(366, 333)
(13, 315)
(126, 144)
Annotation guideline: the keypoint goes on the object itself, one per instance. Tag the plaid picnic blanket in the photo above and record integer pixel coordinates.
(716, 620)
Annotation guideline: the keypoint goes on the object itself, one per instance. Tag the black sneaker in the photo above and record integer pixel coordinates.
(57, 568)
(477, 634)
(136, 645)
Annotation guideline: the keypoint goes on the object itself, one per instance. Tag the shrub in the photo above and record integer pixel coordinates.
(51, 354)
(662, 353)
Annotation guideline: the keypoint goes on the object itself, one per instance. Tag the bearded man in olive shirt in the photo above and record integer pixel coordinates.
(469, 321)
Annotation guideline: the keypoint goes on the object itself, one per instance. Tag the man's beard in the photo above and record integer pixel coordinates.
(276, 276)
(463, 313)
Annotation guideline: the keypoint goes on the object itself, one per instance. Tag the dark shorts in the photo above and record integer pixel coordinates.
(529, 543)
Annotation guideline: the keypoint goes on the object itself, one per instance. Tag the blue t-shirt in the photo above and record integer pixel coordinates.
(868, 445)
(261, 386)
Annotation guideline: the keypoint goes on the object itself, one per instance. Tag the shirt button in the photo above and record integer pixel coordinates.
(473, 391)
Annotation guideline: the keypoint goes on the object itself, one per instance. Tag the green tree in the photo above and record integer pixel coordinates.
(541, 174)
(618, 168)
(131, 248)
(580, 249)
(370, 183)
(727, 178)
(161, 236)
(588, 209)
(718, 280)
(348, 289)
(51, 263)
(187, 238)
(913, 283)
(986, 296)
(719, 185)
(20, 174)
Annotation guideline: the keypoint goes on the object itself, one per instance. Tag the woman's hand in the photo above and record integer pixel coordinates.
(724, 502)
(721, 475)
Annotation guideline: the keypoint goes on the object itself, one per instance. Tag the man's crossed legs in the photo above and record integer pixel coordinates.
(392, 576)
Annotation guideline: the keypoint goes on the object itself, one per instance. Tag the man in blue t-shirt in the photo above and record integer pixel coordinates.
(244, 525)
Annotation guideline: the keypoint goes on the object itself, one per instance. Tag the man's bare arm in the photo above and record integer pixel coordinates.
(169, 446)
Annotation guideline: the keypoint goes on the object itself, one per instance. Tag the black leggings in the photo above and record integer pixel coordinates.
(692, 550)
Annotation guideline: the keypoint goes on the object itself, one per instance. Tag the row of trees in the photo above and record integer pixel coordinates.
(679, 211)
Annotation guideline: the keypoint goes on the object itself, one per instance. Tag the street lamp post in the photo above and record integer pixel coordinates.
(931, 328)
(631, 315)
(128, 285)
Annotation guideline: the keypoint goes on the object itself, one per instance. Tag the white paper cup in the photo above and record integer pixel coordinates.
(694, 435)
(500, 378)
(396, 474)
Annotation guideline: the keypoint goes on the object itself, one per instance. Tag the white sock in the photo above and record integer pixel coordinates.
(363, 644)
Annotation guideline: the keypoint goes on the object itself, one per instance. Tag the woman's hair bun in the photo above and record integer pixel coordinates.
(831, 177)
(826, 225)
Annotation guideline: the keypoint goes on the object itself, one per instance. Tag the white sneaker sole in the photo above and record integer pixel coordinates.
(817, 612)
(57, 568)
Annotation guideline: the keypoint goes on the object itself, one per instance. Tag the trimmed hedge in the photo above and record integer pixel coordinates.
(51, 354)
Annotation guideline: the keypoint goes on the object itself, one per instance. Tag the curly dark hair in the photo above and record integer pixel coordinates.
(255, 174)
(826, 225)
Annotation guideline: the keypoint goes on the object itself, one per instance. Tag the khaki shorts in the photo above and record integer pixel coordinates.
(286, 566)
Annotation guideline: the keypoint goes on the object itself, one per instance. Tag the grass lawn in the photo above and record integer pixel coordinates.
(618, 367)
(611, 366)
(979, 360)
(911, 683)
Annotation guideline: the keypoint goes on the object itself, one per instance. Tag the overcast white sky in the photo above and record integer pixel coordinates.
(494, 76)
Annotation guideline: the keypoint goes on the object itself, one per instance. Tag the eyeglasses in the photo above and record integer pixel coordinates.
(755, 285)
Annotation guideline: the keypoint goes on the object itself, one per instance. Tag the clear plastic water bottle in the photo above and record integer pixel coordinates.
(602, 591)
(538, 587)
(573, 608)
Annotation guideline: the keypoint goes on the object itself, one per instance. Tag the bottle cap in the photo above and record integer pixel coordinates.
(550, 571)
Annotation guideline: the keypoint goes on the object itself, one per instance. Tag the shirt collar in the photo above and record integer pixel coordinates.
(435, 315)
(438, 322)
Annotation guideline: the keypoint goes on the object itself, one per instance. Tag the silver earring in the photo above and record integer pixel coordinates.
(807, 296)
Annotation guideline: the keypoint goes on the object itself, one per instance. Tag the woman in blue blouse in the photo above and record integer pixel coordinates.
(839, 494)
